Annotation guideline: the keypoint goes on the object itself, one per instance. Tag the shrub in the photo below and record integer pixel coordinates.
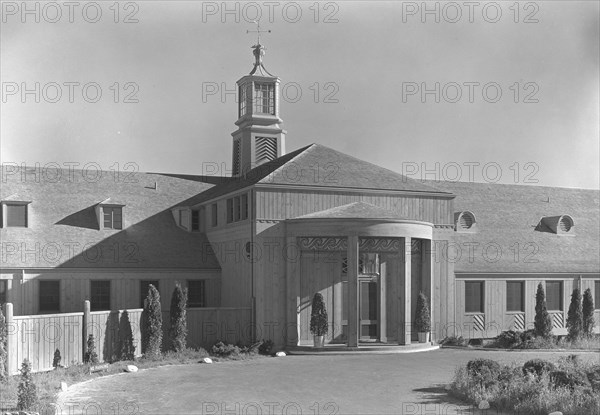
(543, 322)
(57, 359)
(318, 316)
(152, 324)
(423, 316)
(3, 354)
(484, 371)
(593, 375)
(178, 328)
(90, 355)
(575, 316)
(528, 335)
(454, 341)
(515, 393)
(27, 391)
(126, 349)
(588, 313)
(538, 367)
(221, 349)
(508, 339)
(571, 379)
(266, 346)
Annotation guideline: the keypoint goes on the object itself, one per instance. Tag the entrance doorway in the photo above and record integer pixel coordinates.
(368, 308)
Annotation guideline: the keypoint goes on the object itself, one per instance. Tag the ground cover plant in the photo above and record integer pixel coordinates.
(537, 387)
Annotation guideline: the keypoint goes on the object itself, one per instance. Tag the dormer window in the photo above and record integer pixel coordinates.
(565, 223)
(109, 214)
(560, 225)
(464, 221)
(113, 217)
(15, 214)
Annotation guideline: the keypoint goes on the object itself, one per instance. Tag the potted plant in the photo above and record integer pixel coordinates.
(318, 320)
(423, 318)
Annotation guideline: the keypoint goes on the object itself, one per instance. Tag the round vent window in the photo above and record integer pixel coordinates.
(466, 220)
(565, 224)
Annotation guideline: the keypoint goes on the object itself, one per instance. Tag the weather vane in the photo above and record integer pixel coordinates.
(258, 31)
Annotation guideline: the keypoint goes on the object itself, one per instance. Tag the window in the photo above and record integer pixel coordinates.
(196, 293)
(113, 217)
(144, 287)
(3, 292)
(474, 297)
(49, 296)
(554, 295)
(100, 295)
(16, 215)
(245, 95)
(237, 208)
(597, 295)
(244, 206)
(215, 215)
(515, 299)
(264, 101)
(195, 220)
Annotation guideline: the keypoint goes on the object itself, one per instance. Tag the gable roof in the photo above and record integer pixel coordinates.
(319, 166)
(507, 216)
(356, 210)
(63, 227)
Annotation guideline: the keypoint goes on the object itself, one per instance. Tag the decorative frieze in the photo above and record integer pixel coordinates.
(323, 243)
(381, 245)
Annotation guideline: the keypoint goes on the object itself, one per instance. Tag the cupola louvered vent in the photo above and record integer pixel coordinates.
(266, 149)
(236, 157)
(560, 225)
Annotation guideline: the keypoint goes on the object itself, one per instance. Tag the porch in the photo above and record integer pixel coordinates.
(369, 272)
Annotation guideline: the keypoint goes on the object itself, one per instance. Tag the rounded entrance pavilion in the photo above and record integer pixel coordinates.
(368, 264)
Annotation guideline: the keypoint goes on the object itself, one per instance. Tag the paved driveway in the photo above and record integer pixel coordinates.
(315, 385)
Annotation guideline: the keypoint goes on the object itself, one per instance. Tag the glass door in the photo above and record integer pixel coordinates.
(368, 308)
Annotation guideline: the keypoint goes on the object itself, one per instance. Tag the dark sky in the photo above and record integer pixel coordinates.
(348, 71)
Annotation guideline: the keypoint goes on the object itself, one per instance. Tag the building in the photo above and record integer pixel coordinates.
(287, 225)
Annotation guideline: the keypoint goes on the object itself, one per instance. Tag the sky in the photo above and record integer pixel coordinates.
(500, 92)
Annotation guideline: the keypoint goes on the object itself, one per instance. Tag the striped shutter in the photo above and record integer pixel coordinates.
(519, 322)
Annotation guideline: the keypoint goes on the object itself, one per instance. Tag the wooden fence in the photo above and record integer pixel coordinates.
(36, 337)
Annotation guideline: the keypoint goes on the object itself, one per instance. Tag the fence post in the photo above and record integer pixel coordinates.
(84, 330)
(11, 340)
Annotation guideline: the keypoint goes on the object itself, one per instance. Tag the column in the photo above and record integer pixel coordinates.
(292, 282)
(382, 303)
(352, 291)
(404, 335)
(428, 285)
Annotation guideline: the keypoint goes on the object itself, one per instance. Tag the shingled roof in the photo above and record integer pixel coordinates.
(507, 216)
(63, 228)
(322, 167)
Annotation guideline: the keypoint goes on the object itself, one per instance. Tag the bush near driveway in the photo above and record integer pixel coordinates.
(537, 387)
